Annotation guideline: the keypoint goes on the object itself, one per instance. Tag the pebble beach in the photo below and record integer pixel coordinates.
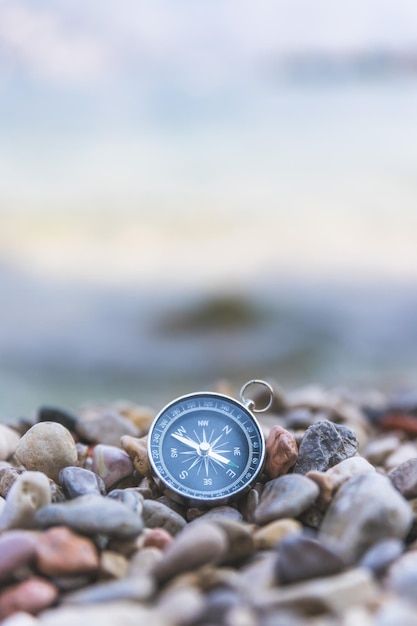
(326, 536)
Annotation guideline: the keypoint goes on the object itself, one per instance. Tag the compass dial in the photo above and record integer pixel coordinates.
(206, 447)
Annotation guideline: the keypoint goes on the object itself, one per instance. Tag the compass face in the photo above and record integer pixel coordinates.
(206, 447)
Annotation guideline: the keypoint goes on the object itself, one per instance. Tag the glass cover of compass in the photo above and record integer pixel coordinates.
(206, 447)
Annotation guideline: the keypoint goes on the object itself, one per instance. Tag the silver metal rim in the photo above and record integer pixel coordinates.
(207, 501)
(251, 403)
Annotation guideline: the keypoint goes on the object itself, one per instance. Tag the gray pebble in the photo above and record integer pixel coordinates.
(30, 492)
(222, 512)
(136, 588)
(301, 558)
(365, 510)
(157, 515)
(56, 414)
(402, 577)
(92, 515)
(286, 496)
(77, 481)
(198, 544)
(323, 445)
(404, 478)
(106, 428)
(130, 497)
(381, 555)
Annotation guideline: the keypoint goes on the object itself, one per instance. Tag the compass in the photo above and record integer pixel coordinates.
(208, 447)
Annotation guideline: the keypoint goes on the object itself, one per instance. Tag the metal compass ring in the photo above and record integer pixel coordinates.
(251, 403)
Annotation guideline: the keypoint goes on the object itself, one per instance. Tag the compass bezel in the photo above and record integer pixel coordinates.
(197, 499)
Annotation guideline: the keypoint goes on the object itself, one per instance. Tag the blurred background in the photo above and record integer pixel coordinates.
(192, 191)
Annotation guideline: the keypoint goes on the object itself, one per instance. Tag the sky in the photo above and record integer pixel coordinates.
(100, 100)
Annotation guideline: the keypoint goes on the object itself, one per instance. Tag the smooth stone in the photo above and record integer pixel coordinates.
(55, 414)
(114, 613)
(381, 555)
(137, 449)
(281, 452)
(394, 612)
(136, 588)
(8, 475)
(259, 573)
(365, 510)
(404, 478)
(379, 449)
(182, 605)
(286, 496)
(402, 577)
(9, 440)
(404, 453)
(77, 481)
(61, 552)
(301, 558)
(31, 596)
(173, 504)
(198, 544)
(106, 428)
(325, 444)
(47, 447)
(218, 603)
(330, 481)
(157, 515)
(249, 504)
(144, 561)
(30, 492)
(111, 464)
(272, 534)
(20, 618)
(157, 538)
(92, 515)
(221, 513)
(334, 594)
(240, 541)
(112, 565)
(130, 497)
(17, 548)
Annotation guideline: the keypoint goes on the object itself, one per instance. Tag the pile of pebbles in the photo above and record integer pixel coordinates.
(328, 536)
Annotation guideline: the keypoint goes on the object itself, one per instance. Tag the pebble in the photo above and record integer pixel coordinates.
(8, 475)
(138, 589)
(106, 428)
(241, 544)
(31, 596)
(92, 515)
(379, 449)
(325, 444)
(9, 440)
(381, 555)
(111, 464)
(141, 416)
(182, 606)
(222, 513)
(404, 453)
(286, 496)
(404, 478)
(20, 618)
(144, 561)
(158, 515)
(29, 492)
(281, 452)
(113, 565)
(47, 447)
(157, 538)
(330, 481)
(130, 497)
(61, 416)
(77, 481)
(402, 577)
(61, 552)
(334, 594)
(17, 548)
(301, 558)
(198, 544)
(138, 451)
(272, 534)
(365, 510)
(114, 613)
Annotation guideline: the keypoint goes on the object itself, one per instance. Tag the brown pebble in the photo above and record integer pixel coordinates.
(60, 551)
(157, 538)
(113, 565)
(281, 452)
(30, 596)
(137, 449)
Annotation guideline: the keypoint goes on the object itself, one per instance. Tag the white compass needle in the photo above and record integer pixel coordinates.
(186, 441)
